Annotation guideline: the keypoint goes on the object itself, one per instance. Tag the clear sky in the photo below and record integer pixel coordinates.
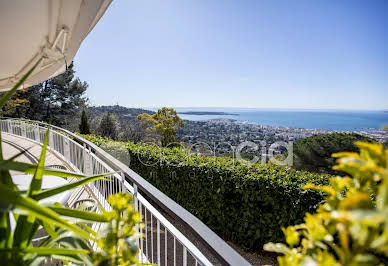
(323, 54)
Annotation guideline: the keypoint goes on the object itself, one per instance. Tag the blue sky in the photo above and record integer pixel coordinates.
(323, 54)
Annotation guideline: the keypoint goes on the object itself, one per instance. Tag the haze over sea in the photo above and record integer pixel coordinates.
(342, 120)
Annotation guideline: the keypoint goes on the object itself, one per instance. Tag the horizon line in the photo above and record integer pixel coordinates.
(234, 107)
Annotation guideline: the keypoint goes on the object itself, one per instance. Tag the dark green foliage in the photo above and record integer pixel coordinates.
(314, 153)
(246, 204)
(84, 127)
(108, 126)
(57, 100)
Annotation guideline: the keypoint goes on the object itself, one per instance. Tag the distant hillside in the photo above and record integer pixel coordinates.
(205, 113)
(120, 111)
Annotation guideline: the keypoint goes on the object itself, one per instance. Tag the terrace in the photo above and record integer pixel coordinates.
(172, 236)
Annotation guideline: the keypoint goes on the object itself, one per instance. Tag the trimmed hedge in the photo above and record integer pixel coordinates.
(245, 204)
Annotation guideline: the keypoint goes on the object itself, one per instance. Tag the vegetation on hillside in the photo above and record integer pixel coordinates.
(84, 127)
(351, 226)
(314, 153)
(245, 204)
(128, 127)
(108, 126)
(164, 123)
(57, 100)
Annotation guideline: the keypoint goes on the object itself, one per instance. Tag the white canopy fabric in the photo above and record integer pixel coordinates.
(48, 29)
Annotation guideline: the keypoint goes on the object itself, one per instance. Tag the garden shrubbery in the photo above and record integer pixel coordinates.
(351, 227)
(246, 204)
(314, 153)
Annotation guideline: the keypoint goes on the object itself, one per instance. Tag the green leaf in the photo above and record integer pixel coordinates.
(11, 92)
(50, 230)
(48, 251)
(53, 191)
(23, 231)
(84, 215)
(33, 208)
(25, 224)
(31, 168)
(18, 154)
(5, 230)
(36, 181)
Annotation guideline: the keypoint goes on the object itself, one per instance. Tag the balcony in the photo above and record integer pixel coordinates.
(172, 235)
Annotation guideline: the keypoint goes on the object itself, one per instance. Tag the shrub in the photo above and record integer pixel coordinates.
(84, 127)
(351, 227)
(64, 239)
(314, 153)
(245, 204)
(67, 239)
(117, 240)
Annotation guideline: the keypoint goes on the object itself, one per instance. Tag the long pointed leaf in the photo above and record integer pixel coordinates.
(18, 154)
(36, 181)
(4, 173)
(69, 258)
(11, 92)
(25, 224)
(5, 230)
(84, 215)
(53, 191)
(48, 251)
(31, 168)
(33, 208)
(22, 232)
(50, 230)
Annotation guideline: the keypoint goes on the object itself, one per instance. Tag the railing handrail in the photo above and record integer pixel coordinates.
(223, 251)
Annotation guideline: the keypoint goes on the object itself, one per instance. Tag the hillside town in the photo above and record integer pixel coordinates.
(219, 132)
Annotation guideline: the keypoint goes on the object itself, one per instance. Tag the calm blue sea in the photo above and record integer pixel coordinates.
(310, 119)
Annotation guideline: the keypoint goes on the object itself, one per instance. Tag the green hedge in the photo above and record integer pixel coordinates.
(245, 204)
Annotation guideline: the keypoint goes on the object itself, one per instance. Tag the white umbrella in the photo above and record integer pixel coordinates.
(52, 29)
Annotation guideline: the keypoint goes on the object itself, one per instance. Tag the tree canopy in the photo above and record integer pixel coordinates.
(56, 100)
(314, 153)
(164, 122)
(108, 126)
(84, 127)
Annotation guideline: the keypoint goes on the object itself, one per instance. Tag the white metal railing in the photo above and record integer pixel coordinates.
(163, 243)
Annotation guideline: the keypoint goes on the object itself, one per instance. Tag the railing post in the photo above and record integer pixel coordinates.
(23, 129)
(51, 140)
(9, 126)
(85, 165)
(66, 148)
(136, 203)
(37, 132)
(122, 181)
(91, 162)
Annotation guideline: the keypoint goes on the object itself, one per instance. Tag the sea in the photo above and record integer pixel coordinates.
(338, 120)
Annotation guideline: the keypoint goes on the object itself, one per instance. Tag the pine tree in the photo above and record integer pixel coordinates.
(56, 100)
(84, 127)
(108, 126)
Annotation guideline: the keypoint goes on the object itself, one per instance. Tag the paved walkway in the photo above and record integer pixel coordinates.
(13, 145)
